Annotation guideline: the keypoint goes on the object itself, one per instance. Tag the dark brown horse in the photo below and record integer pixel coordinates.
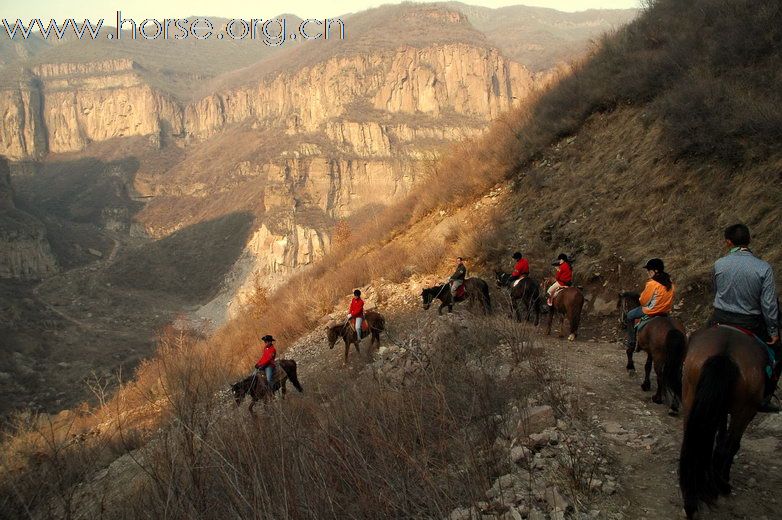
(375, 322)
(525, 292)
(567, 303)
(476, 291)
(665, 342)
(723, 376)
(255, 384)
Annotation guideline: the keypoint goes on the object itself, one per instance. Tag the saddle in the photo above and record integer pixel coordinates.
(772, 358)
(459, 291)
(364, 324)
(640, 323)
(517, 281)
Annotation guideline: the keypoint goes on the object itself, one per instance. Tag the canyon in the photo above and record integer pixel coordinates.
(188, 179)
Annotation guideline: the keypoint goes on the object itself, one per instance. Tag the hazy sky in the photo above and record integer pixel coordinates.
(140, 9)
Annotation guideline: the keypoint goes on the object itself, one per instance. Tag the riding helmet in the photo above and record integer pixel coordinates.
(267, 338)
(356, 293)
(655, 264)
(517, 255)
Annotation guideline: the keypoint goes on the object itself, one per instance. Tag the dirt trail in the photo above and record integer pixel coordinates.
(645, 441)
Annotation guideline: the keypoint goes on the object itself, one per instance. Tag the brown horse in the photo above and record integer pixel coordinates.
(255, 384)
(375, 322)
(476, 291)
(665, 342)
(723, 375)
(525, 292)
(567, 303)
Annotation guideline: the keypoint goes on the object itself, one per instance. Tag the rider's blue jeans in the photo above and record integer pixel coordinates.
(633, 315)
(269, 370)
(358, 327)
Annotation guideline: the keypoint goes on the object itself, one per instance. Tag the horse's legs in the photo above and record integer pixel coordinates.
(658, 371)
(440, 310)
(630, 364)
(550, 319)
(347, 350)
(726, 451)
(647, 384)
(252, 403)
(283, 388)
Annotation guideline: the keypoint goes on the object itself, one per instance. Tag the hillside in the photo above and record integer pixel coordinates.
(165, 187)
(649, 147)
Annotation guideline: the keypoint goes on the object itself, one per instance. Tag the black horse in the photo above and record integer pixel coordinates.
(475, 291)
(255, 384)
(526, 292)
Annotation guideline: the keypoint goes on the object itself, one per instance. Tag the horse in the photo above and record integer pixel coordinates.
(723, 375)
(255, 384)
(567, 303)
(665, 342)
(526, 291)
(374, 321)
(475, 290)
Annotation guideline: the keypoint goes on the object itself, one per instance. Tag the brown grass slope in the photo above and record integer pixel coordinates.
(639, 153)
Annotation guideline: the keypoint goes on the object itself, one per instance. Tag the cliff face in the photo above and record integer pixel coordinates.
(24, 251)
(67, 106)
(434, 81)
(299, 149)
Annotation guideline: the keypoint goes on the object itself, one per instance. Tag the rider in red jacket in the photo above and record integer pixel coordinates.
(563, 276)
(520, 270)
(357, 311)
(266, 363)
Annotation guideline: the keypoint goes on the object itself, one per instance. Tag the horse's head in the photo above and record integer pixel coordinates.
(626, 301)
(502, 278)
(332, 334)
(239, 391)
(427, 295)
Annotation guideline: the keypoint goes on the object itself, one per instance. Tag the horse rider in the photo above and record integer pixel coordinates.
(520, 270)
(745, 297)
(266, 363)
(357, 311)
(457, 278)
(562, 278)
(656, 298)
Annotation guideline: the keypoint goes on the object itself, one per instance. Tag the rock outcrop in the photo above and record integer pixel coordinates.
(24, 250)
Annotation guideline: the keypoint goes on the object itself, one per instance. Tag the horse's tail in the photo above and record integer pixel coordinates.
(675, 349)
(289, 366)
(486, 297)
(708, 414)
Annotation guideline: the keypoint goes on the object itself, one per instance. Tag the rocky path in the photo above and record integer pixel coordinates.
(645, 441)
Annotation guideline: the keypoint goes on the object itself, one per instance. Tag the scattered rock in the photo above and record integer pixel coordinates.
(95, 252)
(556, 501)
(535, 419)
(536, 514)
(609, 488)
(520, 454)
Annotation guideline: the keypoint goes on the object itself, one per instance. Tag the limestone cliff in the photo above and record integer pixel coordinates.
(24, 251)
(66, 106)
